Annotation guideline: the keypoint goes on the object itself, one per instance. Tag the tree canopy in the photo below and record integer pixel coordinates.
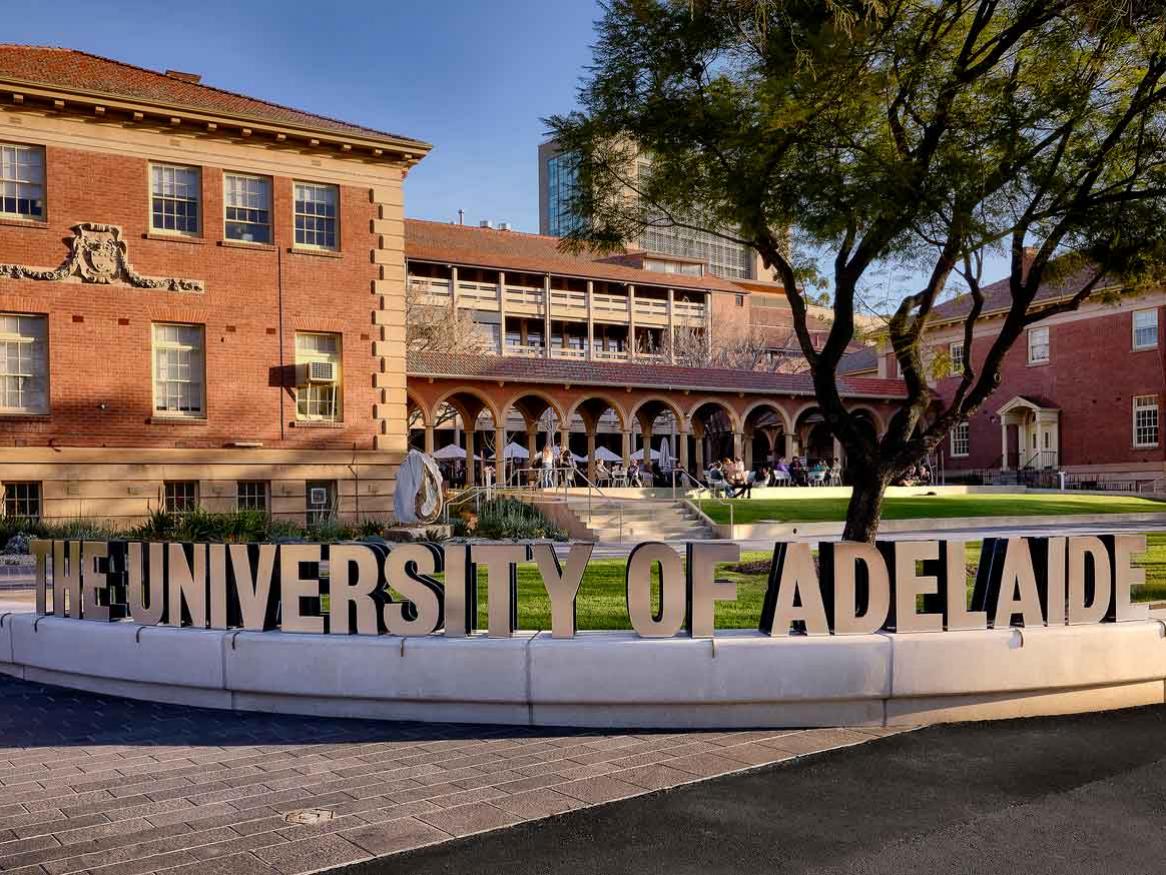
(934, 131)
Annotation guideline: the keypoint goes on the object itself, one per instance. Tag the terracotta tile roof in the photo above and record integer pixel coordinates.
(861, 360)
(80, 71)
(439, 364)
(532, 253)
(998, 295)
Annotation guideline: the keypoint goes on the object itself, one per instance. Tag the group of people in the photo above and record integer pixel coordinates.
(916, 475)
(731, 477)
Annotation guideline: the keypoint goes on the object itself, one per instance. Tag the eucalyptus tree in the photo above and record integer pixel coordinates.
(877, 132)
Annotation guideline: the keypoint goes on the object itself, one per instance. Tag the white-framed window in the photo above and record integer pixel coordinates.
(178, 370)
(961, 442)
(175, 192)
(247, 208)
(955, 351)
(1145, 420)
(22, 500)
(316, 215)
(24, 364)
(317, 396)
(252, 495)
(180, 496)
(1038, 345)
(22, 181)
(1146, 329)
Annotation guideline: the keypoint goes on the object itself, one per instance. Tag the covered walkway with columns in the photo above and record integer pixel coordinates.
(712, 413)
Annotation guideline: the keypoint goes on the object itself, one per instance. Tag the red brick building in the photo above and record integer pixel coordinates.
(1080, 392)
(201, 296)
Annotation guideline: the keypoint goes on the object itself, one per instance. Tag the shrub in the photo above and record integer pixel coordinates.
(510, 519)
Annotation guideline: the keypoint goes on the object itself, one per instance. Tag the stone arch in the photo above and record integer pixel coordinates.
(417, 404)
(786, 423)
(450, 397)
(734, 419)
(672, 406)
(551, 403)
(623, 416)
(879, 423)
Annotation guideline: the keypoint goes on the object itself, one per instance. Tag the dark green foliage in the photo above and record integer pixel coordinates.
(510, 519)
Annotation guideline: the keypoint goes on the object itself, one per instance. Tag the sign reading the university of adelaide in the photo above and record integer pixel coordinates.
(376, 589)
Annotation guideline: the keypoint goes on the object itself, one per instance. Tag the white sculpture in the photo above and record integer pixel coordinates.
(418, 495)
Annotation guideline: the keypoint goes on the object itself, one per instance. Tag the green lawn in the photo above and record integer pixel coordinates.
(824, 510)
(602, 601)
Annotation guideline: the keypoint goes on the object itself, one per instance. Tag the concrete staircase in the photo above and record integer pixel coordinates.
(642, 520)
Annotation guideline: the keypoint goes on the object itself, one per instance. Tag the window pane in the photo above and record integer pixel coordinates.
(1145, 329)
(178, 369)
(22, 181)
(315, 214)
(252, 495)
(317, 397)
(22, 500)
(23, 363)
(181, 496)
(247, 205)
(1146, 421)
(174, 198)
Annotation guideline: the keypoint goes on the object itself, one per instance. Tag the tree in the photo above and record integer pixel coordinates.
(922, 132)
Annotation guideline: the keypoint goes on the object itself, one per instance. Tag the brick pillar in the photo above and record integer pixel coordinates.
(682, 447)
(429, 440)
(791, 446)
(500, 455)
(471, 478)
(627, 448)
(591, 453)
(738, 445)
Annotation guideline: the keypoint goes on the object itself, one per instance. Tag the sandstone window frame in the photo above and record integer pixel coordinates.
(180, 497)
(961, 440)
(20, 176)
(1039, 345)
(250, 207)
(165, 193)
(184, 362)
(309, 226)
(319, 402)
(1144, 343)
(1146, 422)
(24, 338)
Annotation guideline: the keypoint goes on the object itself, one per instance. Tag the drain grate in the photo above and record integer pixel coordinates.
(309, 816)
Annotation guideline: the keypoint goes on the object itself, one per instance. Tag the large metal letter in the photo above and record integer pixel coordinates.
(186, 576)
(910, 585)
(354, 590)
(501, 561)
(1090, 580)
(1018, 591)
(955, 586)
(562, 586)
(409, 569)
(704, 591)
(217, 585)
(147, 593)
(294, 587)
(1048, 560)
(253, 571)
(1126, 575)
(67, 579)
(856, 587)
(794, 595)
(673, 603)
(461, 591)
(94, 584)
(41, 551)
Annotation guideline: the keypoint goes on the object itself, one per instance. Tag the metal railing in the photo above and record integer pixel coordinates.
(703, 488)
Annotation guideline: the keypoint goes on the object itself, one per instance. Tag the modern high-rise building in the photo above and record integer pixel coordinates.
(702, 249)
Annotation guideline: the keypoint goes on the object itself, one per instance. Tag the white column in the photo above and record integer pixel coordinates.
(631, 323)
(547, 315)
(590, 324)
(453, 289)
(791, 447)
(501, 313)
(1003, 444)
(671, 325)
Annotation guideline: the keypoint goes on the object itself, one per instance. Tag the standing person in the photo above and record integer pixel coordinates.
(548, 466)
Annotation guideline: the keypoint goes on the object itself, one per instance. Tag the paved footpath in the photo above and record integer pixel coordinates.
(114, 787)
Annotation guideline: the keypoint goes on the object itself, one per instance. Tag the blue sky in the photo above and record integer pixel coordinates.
(473, 78)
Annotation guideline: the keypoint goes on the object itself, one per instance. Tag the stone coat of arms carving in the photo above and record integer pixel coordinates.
(98, 254)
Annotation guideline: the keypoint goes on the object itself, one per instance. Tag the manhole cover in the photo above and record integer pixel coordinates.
(308, 816)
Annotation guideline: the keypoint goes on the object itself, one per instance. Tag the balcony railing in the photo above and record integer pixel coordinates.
(609, 306)
(527, 299)
(558, 352)
(431, 287)
(610, 355)
(524, 350)
(651, 310)
(567, 303)
(688, 311)
(480, 296)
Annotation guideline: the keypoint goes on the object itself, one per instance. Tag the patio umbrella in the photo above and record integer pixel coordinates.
(515, 450)
(452, 453)
(639, 454)
(665, 455)
(606, 455)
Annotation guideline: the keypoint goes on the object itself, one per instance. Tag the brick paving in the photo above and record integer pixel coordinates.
(113, 787)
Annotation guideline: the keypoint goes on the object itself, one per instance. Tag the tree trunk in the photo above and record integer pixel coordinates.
(866, 503)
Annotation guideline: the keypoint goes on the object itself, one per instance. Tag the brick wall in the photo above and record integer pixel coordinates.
(100, 336)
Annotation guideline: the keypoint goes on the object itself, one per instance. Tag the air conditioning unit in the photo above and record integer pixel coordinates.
(318, 496)
(321, 372)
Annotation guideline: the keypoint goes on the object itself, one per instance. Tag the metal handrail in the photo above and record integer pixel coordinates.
(592, 487)
(702, 487)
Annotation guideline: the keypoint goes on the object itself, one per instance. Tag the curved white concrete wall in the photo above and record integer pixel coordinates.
(607, 679)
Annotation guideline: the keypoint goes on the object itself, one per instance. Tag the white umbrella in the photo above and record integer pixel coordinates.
(665, 455)
(606, 455)
(639, 454)
(515, 450)
(578, 459)
(451, 453)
